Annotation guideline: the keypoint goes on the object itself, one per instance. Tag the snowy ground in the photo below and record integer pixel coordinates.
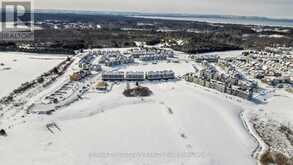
(109, 122)
(19, 68)
(180, 124)
(273, 123)
(280, 105)
(233, 53)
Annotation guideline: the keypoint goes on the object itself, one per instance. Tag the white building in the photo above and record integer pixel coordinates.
(135, 76)
(159, 75)
(113, 76)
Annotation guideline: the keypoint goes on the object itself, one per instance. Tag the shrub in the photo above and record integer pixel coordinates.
(137, 92)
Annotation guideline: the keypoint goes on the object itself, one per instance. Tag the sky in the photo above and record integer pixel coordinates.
(267, 8)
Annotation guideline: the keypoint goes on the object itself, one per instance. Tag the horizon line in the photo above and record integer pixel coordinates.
(152, 13)
(109, 12)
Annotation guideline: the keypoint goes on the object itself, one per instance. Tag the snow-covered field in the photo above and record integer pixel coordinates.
(281, 106)
(112, 123)
(273, 122)
(18, 68)
(180, 124)
(233, 53)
